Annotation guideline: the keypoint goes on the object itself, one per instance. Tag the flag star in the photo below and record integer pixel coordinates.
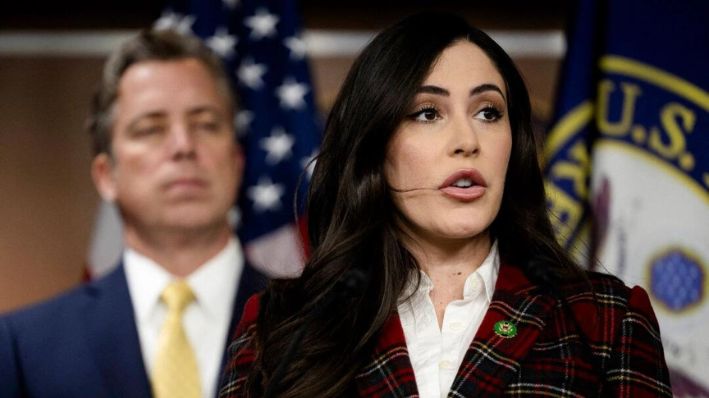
(231, 4)
(262, 24)
(242, 121)
(266, 195)
(297, 47)
(222, 42)
(278, 146)
(308, 163)
(175, 21)
(251, 74)
(291, 94)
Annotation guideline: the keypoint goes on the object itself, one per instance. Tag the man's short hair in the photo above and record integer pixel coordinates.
(148, 45)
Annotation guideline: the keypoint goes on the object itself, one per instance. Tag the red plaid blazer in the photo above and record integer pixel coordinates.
(547, 357)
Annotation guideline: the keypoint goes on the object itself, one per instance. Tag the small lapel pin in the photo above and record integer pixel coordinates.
(505, 329)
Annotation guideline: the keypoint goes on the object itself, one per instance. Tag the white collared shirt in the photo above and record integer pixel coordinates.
(206, 320)
(437, 353)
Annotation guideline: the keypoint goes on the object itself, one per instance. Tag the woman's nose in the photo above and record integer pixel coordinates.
(464, 138)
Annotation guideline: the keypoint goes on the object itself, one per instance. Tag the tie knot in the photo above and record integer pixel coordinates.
(177, 295)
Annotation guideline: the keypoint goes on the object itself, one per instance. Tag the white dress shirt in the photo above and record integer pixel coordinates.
(437, 353)
(206, 320)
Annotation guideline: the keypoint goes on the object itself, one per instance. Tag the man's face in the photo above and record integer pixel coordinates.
(174, 164)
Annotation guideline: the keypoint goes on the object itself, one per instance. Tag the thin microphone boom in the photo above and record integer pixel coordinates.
(397, 190)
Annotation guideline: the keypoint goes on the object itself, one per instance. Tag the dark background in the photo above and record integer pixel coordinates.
(317, 14)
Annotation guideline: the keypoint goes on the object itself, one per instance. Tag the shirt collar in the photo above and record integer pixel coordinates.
(487, 272)
(217, 279)
(211, 282)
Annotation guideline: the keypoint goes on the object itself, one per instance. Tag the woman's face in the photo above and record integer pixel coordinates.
(446, 162)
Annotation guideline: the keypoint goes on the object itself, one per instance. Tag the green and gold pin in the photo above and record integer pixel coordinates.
(505, 329)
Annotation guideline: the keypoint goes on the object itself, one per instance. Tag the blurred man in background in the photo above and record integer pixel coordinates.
(165, 154)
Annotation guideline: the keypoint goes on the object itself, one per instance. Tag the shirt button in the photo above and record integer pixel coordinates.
(446, 365)
(456, 326)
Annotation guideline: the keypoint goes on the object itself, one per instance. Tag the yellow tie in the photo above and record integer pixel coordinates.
(175, 373)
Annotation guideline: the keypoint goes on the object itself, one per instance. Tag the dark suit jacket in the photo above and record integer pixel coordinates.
(546, 357)
(84, 343)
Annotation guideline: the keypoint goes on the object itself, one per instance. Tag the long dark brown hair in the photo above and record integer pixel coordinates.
(352, 218)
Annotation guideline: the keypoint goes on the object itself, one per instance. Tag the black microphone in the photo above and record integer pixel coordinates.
(348, 286)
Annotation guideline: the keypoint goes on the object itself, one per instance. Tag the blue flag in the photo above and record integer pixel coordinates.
(277, 124)
(627, 162)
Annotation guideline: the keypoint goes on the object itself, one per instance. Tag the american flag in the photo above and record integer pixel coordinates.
(277, 124)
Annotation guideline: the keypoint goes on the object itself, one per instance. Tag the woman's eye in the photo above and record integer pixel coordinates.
(489, 114)
(425, 115)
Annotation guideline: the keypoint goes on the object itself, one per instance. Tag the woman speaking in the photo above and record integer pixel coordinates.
(434, 268)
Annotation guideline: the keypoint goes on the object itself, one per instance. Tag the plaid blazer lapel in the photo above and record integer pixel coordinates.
(492, 359)
(389, 372)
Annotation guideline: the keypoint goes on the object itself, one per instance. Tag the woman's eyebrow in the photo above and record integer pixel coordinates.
(429, 89)
(486, 87)
(433, 90)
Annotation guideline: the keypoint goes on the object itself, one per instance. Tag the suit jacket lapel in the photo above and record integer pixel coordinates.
(389, 372)
(112, 335)
(250, 283)
(492, 359)
(113, 338)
